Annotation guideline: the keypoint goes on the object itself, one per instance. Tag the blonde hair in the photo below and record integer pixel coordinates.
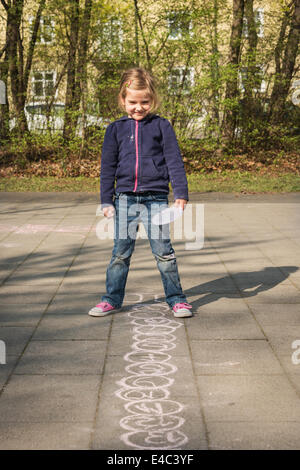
(138, 78)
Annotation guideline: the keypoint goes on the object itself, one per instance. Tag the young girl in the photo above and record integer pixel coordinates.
(141, 153)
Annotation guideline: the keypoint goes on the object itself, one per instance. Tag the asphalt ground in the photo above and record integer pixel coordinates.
(227, 378)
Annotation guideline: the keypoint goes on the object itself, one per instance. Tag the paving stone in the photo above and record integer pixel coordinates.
(76, 304)
(5, 271)
(269, 277)
(73, 327)
(45, 436)
(15, 257)
(31, 277)
(15, 338)
(217, 303)
(249, 398)
(49, 398)
(283, 315)
(282, 342)
(26, 294)
(63, 357)
(280, 294)
(244, 266)
(234, 357)
(295, 378)
(222, 325)
(83, 285)
(7, 368)
(255, 435)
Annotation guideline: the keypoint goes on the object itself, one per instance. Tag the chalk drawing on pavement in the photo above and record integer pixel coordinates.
(153, 420)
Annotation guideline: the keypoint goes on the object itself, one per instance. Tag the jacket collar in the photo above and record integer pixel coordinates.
(149, 117)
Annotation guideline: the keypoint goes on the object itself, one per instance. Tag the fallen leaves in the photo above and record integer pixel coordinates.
(262, 163)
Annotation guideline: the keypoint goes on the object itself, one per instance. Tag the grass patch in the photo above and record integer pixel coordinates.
(227, 181)
(49, 184)
(244, 182)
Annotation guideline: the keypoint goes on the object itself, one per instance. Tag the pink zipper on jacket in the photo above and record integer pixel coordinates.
(136, 154)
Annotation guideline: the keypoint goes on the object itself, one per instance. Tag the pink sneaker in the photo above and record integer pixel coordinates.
(102, 309)
(182, 310)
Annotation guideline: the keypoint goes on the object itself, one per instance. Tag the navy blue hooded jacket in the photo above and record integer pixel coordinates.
(141, 156)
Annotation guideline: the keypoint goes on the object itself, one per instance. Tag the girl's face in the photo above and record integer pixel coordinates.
(137, 103)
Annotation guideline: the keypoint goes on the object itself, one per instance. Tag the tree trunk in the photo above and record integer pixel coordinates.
(214, 67)
(4, 108)
(81, 82)
(70, 121)
(15, 52)
(14, 58)
(77, 63)
(232, 93)
(284, 72)
(136, 32)
(139, 20)
(251, 79)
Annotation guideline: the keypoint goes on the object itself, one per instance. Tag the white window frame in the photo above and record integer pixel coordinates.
(33, 81)
(109, 24)
(179, 35)
(190, 77)
(41, 37)
(263, 85)
(259, 18)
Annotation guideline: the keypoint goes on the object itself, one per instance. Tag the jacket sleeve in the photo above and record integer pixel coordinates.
(109, 162)
(174, 162)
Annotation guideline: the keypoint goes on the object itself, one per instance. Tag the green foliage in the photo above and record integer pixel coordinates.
(50, 147)
(189, 60)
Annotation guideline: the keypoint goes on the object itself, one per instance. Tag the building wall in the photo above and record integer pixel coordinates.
(107, 53)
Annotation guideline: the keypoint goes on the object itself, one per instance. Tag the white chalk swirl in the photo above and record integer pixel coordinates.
(153, 420)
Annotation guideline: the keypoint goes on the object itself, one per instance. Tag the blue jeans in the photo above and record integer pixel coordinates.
(131, 208)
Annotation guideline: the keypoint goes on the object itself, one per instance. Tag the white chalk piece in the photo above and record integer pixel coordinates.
(110, 213)
(167, 215)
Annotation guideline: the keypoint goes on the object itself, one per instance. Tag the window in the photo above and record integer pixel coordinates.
(179, 24)
(46, 30)
(181, 77)
(260, 84)
(43, 84)
(259, 22)
(111, 37)
(57, 109)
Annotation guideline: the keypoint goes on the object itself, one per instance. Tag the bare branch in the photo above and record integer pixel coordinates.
(32, 43)
(143, 33)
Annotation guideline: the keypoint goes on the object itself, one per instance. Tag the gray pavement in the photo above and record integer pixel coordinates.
(227, 378)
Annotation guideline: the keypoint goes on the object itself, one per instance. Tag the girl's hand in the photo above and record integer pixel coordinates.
(109, 211)
(180, 203)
